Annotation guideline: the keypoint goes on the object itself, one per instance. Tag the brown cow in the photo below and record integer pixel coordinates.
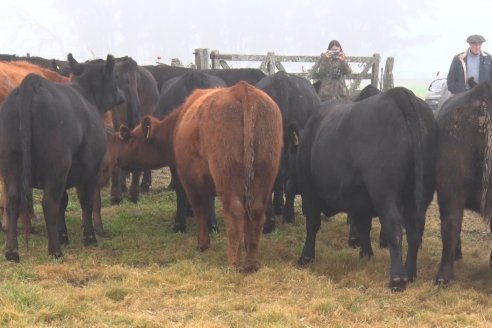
(11, 75)
(223, 142)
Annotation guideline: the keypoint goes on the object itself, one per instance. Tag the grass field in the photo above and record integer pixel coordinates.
(143, 275)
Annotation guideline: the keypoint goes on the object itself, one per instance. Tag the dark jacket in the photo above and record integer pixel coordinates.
(457, 72)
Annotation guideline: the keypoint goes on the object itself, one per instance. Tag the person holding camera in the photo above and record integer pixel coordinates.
(331, 70)
(472, 63)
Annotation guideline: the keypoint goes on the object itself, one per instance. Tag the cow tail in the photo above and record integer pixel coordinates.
(26, 93)
(410, 108)
(249, 154)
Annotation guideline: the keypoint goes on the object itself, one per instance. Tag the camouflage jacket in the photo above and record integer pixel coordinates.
(331, 73)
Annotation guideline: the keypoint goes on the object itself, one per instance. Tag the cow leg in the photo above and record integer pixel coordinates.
(269, 224)
(212, 218)
(278, 195)
(134, 191)
(52, 198)
(96, 212)
(62, 226)
(85, 193)
(11, 211)
(451, 220)
(200, 205)
(180, 219)
(312, 212)
(354, 236)
(413, 239)
(4, 207)
(391, 220)
(116, 193)
(383, 243)
(289, 214)
(146, 181)
(362, 224)
(234, 216)
(252, 235)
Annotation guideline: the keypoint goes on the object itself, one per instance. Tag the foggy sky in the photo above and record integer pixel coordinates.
(423, 36)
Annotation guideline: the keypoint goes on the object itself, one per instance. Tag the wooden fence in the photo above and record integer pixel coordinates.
(363, 68)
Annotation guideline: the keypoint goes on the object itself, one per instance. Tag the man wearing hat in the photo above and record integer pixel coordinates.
(472, 63)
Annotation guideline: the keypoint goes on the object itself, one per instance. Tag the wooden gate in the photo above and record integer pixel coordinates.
(363, 68)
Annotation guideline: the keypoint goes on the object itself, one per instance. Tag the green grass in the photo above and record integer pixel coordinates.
(143, 275)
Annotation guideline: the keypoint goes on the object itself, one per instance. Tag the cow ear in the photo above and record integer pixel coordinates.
(109, 65)
(146, 127)
(76, 68)
(125, 133)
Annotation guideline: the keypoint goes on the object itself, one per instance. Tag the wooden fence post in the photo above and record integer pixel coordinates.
(375, 70)
(215, 61)
(388, 81)
(202, 59)
(270, 63)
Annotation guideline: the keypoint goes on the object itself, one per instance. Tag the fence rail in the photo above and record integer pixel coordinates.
(363, 68)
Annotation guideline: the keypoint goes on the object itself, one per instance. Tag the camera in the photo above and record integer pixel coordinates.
(334, 54)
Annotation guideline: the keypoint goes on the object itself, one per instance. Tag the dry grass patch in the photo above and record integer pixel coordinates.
(143, 275)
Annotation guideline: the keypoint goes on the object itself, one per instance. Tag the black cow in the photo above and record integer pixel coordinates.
(59, 66)
(163, 73)
(174, 91)
(173, 94)
(370, 158)
(52, 137)
(233, 76)
(142, 95)
(297, 101)
(464, 162)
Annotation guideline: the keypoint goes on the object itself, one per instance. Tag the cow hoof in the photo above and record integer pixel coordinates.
(134, 199)
(250, 268)
(12, 256)
(203, 248)
(305, 260)
(268, 226)
(398, 284)
(365, 254)
(442, 283)
(99, 232)
(144, 188)
(353, 242)
(116, 200)
(179, 228)
(90, 240)
(63, 239)
(213, 229)
(58, 257)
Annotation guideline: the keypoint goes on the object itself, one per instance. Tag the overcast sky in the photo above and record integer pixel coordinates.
(422, 35)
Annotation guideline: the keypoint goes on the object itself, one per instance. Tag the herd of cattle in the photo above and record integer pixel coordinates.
(241, 136)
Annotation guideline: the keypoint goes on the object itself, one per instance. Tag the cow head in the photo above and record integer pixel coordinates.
(481, 95)
(99, 81)
(129, 111)
(142, 147)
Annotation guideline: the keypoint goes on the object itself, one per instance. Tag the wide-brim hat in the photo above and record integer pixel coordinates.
(475, 38)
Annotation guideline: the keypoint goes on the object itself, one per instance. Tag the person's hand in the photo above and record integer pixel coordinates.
(342, 56)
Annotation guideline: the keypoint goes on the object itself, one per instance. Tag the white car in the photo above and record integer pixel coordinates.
(438, 93)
